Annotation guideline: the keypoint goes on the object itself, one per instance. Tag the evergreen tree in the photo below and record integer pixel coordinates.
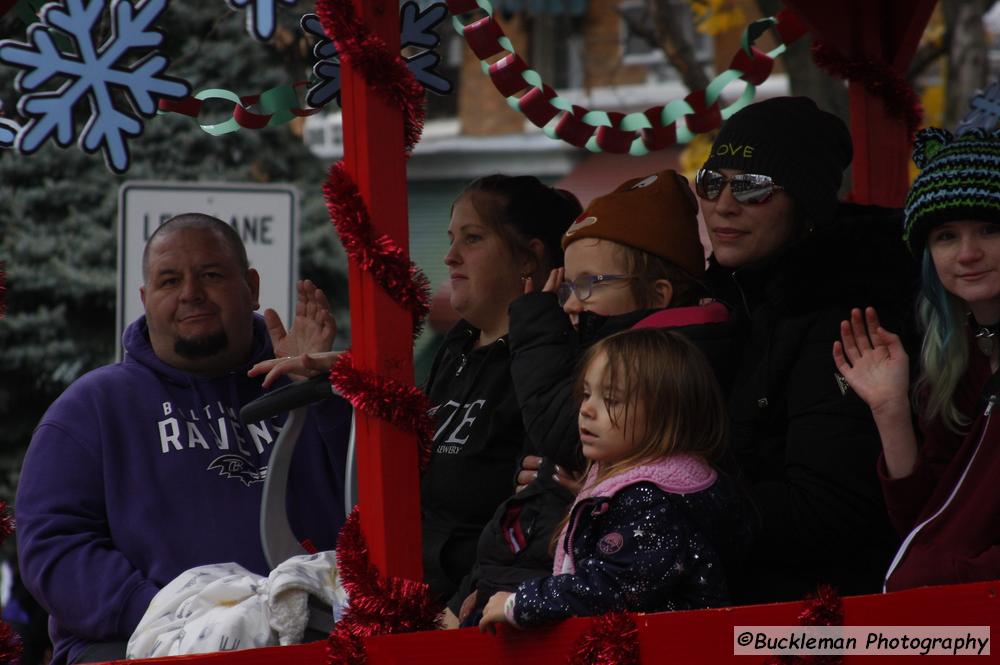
(59, 207)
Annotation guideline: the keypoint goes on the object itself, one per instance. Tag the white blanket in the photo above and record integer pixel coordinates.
(224, 607)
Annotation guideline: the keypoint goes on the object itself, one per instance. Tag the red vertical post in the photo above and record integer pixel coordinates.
(890, 31)
(881, 151)
(388, 480)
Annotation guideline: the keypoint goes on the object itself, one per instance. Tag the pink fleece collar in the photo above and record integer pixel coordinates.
(677, 474)
(676, 317)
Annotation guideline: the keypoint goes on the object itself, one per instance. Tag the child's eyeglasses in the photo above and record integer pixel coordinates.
(583, 286)
(745, 187)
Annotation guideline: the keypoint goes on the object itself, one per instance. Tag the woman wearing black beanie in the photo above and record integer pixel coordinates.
(791, 260)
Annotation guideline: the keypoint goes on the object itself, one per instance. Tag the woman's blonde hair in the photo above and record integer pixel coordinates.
(672, 400)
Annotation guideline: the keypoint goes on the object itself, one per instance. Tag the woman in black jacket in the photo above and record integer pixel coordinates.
(503, 231)
(792, 261)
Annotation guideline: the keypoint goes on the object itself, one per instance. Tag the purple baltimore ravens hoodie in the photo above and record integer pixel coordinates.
(139, 471)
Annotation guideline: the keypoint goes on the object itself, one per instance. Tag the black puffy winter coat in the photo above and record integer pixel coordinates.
(806, 445)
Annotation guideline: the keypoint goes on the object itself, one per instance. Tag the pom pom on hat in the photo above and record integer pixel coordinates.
(960, 180)
(656, 214)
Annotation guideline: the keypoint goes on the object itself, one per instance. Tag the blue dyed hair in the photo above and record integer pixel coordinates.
(944, 355)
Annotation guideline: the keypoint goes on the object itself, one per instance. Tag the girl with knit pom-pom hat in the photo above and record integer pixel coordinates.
(941, 495)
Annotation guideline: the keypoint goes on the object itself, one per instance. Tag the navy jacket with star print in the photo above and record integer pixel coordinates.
(656, 537)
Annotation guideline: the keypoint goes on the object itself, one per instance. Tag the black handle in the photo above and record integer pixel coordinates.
(286, 398)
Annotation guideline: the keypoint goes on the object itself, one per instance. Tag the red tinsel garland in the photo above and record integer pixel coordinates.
(6, 522)
(382, 257)
(611, 639)
(10, 645)
(385, 71)
(401, 404)
(378, 606)
(878, 78)
(824, 608)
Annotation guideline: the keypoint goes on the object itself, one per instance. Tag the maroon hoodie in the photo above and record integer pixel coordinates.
(948, 509)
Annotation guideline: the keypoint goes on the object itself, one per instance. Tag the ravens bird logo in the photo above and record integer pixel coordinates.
(234, 466)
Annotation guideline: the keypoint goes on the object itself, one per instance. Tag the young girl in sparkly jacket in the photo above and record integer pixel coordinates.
(655, 525)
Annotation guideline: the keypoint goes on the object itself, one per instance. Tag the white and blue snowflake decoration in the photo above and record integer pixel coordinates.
(261, 15)
(416, 30)
(95, 73)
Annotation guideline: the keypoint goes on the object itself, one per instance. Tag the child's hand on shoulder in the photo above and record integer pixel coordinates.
(494, 613)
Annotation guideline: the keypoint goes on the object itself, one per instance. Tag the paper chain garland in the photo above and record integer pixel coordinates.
(280, 104)
(91, 74)
(599, 131)
(276, 106)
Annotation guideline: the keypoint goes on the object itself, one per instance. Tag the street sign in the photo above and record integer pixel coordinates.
(265, 216)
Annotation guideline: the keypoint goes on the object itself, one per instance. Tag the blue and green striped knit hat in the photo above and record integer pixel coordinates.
(959, 180)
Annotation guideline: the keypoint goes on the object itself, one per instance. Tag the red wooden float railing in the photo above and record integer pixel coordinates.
(670, 638)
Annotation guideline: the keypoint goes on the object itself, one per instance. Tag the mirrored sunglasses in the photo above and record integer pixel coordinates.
(745, 187)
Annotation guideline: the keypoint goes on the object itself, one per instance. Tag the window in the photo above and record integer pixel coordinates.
(556, 49)
(637, 50)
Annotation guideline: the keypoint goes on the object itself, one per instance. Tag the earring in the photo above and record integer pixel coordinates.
(525, 277)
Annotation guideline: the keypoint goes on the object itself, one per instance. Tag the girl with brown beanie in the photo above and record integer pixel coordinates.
(633, 259)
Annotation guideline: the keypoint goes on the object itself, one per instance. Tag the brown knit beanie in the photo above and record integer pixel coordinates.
(657, 214)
